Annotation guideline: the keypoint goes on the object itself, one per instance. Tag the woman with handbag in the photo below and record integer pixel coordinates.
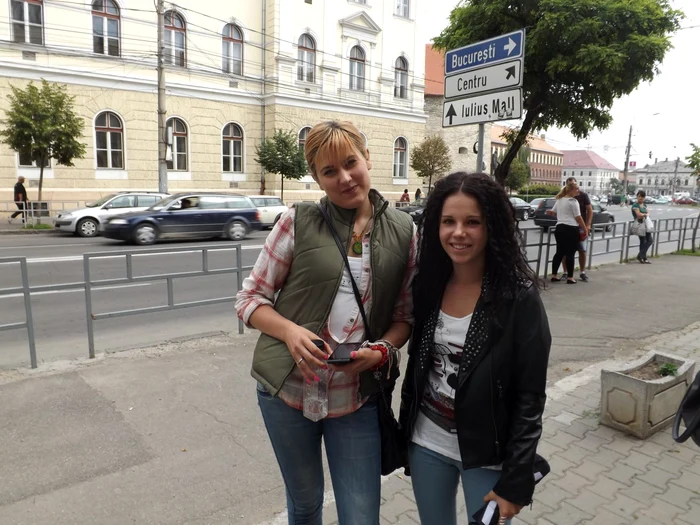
(570, 230)
(639, 227)
(342, 270)
(474, 391)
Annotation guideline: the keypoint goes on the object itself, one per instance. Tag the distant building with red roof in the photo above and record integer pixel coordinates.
(592, 171)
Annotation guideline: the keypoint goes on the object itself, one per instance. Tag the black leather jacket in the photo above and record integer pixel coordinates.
(499, 404)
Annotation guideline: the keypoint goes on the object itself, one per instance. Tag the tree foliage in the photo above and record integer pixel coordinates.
(41, 124)
(694, 159)
(580, 55)
(616, 185)
(281, 154)
(543, 189)
(519, 171)
(431, 159)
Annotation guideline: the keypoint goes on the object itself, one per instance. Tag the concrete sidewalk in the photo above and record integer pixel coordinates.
(172, 434)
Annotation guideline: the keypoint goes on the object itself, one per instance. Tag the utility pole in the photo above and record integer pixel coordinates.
(675, 175)
(480, 149)
(627, 161)
(162, 139)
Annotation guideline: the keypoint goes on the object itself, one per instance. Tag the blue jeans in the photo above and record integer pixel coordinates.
(644, 244)
(435, 482)
(353, 450)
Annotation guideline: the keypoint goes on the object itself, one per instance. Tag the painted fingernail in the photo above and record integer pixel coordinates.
(317, 379)
(326, 357)
(353, 355)
(324, 367)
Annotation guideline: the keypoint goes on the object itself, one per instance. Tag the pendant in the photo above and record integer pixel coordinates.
(357, 247)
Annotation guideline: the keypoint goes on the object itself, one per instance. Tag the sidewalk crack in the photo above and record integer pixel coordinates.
(226, 424)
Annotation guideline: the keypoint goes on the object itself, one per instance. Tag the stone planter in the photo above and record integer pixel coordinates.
(642, 407)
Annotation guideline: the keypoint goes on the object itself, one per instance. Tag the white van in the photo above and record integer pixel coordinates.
(680, 195)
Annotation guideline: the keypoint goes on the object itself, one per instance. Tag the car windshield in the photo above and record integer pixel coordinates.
(101, 201)
(163, 203)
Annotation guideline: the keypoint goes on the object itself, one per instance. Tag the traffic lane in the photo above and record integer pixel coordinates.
(46, 269)
(60, 325)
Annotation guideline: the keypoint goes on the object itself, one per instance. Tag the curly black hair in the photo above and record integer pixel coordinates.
(505, 264)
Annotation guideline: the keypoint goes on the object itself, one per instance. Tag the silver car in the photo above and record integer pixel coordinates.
(89, 221)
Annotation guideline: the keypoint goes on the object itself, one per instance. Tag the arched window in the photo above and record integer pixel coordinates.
(686, 182)
(174, 39)
(357, 68)
(105, 27)
(663, 182)
(27, 22)
(109, 141)
(306, 66)
(177, 129)
(400, 150)
(232, 147)
(232, 50)
(303, 134)
(401, 78)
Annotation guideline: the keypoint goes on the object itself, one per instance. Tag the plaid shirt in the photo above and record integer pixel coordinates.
(268, 276)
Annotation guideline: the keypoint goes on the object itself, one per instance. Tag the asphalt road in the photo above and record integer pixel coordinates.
(60, 318)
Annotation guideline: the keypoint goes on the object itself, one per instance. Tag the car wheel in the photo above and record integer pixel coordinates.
(87, 228)
(237, 231)
(609, 227)
(526, 215)
(145, 234)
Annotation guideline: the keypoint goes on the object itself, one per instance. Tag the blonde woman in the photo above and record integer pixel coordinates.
(570, 229)
(315, 311)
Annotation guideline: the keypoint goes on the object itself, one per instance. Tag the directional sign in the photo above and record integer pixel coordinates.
(487, 52)
(503, 105)
(489, 78)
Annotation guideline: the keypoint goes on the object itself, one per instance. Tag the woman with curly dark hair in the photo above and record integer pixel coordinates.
(474, 392)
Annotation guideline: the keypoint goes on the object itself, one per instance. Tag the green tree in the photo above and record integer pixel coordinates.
(631, 188)
(580, 55)
(694, 159)
(431, 159)
(544, 189)
(616, 185)
(41, 124)
(519, 172)
(281, 154)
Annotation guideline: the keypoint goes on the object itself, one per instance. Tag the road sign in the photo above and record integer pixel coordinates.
(633, 164)
(489, 78)
(502, 105)
(487, 52)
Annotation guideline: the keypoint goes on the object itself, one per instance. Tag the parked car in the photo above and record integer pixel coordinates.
(414, 209)
(188, 216)
(601, 217)
(522, 208)
(662, 200)
(271, 209)
(650, 200)
(88, 221)
(534, 203)
(604, 199)
(686, 200)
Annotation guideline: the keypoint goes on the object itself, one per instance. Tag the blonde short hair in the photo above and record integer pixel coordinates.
(570, 184)
(333, 138)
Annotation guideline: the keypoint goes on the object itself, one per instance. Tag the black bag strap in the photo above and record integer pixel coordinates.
(690, 403)
(343, 253)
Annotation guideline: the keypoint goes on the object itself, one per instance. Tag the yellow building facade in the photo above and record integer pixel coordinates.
(231, 78)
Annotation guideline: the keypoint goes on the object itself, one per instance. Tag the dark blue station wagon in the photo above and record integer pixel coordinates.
(188, 216)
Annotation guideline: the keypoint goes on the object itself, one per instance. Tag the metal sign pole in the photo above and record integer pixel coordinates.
(480, 152)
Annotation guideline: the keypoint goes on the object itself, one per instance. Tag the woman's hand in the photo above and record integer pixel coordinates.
(362, 359)
(506, 509)
(307, 356)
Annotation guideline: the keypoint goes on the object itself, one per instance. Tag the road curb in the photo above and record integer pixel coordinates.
(27, 232)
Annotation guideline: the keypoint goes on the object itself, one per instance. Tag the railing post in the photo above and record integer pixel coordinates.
(239, 279)
(625, 252)
(88, 306)
(546, 257)
(28, 311)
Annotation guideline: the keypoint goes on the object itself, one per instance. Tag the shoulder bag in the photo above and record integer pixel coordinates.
(394, 449)
(689, 412)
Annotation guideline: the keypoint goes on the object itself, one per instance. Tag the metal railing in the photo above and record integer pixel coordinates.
(167, 277)
(40, 210)
(89, 285)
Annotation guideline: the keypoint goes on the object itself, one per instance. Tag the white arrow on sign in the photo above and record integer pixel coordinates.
(489, 78)
(509, 46)
(502, 105)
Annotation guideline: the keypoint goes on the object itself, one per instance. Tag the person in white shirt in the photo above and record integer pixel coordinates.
(567, 232)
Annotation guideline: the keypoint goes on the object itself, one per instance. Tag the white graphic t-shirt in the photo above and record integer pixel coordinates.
(439, 395)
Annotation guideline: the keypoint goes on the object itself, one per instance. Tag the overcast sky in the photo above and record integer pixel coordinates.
(674, 95)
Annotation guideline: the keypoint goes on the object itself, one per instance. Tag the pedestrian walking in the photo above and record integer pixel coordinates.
(568, 232)
(474, 389)
(405, 197)
(586, 208)
(21, 201)
(324, 296)
(640, 214)
(419, 193)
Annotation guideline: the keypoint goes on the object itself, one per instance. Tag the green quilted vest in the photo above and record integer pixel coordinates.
(314, 277)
